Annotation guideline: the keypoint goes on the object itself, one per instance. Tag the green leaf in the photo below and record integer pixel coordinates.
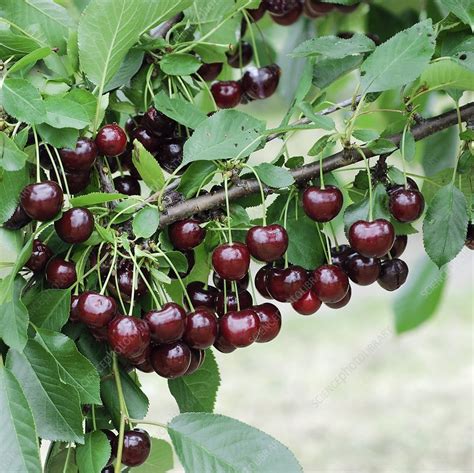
(130, 66)
(11, 184)
(209, 442)
(95, 198)
(74, 369)
(399, 60)
(84, 98)
(463, 9)
(326, 71)
(194, 177)
(445, 225)
(22, 101)
(65, 113)
(381, 146)
(59, 138)
(12, 44)
(180, 64)
(56, 407)
(227, 134)
(366, 134)
(94, 454)
(321, 121)
(447, 74)
(179, 110)
(146, 222)
(197, 392)
(148, 167)
(19, 447)
(11, 157)
(160, 459)
(51, 310)
(57, 463)
(31, 58)
(274, 176)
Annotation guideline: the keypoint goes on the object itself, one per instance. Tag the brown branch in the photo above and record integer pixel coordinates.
(341, 159)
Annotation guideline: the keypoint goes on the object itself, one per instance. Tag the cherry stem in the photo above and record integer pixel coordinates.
(321, 173)
(252, 39)
(94, 423)
(334, 235)
(109, 274)
(208, 90)
(227, 205)
(285, 219)
(324, 244)
(262, 193)
(68, 456)
(149, 422)
(402, 152)
(236, 292)
(118, 382)
(369, 178)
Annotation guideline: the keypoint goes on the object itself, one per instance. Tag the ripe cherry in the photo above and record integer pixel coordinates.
(18, 220)
(322, 205)
(95, 310)
(270, 322)
(158, 122)
(149, 141)
(73, 313)
(343, 302)
(307, 304)
(406, 205)
(339, 255)
(261, 281)
(77, 181)
(320, 8)
(136, 447)
(231, 261)
(362, 270)
(267, 243)
(398, 246)
(128, 336)
(241, 56)
(240, 328)
(470, 236)
(61, 274)
(242, 284)
(280, 7)
(75, 225)
(111, 140)
(290, 17)
(257, 13)
(287, 284)
(40, 256)
(393, 274)
(201, 296)
(211, 71)
(166, 324)
(81, 158)
(223, 345)
(372, 239)
(42, 201)
(171, 360)
(186, 234)
(170, 154)
(330, 283)
(261, 82)
(125, 280)
(127, 185)
(201, 329)
(244, 302)
(227, 94)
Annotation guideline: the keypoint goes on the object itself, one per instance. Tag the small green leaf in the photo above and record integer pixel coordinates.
(146, 222)
(463, 9)
(180, 64)
(65, 113)
(274, 176)
(31, 58)
(58, 137)
(160, 459)
(326, 71)
(320, 146)
(179, 110)
(11, 157)
(366, 135)
(381, 146)
(321, 121)
(447, 74)
(95, 198)
(94, 454)
(148, 167)
(195, 176)
(51, 310)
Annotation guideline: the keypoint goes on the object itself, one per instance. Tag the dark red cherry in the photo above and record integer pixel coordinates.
(320, 8)
(280, 7)
(166, 324)
(307, 304)
(201, 329)
(111, 140)
(18, 220)
(406, 205)
(42, 201)
(343, 302)
(149, 141)
(197, 359)
(231, 261)
(125, 279)
(136, 447)
(158, 122)
(241, 56)
(289, 17)
(186, 234)
(222, 345)
(75, 225)
(330, 283)
(132, 123)
(270, 322)
(242, 284)
(40, 256)
(261, 281)
(96, 310)
(61, 274)
(100, 334)
(393, 274)
(398, 247)
(240, 328)
(127, 185)
(244, 301)
(73, 313)
(288, 284)
(112, 438)
(77, 181)
(201, 296)
(171, 360)
(211, 71)
(372, 239)
(362, 270)
(257, 13)
(267, 243)
(145, 366)
(470, 236)
(339, 255)
(81, 158)
(128, 336)
(322, 205)
(170, 154)
(227, 94)
(261, 82)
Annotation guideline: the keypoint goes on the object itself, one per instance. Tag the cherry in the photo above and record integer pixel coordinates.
(372, 239)
(231, 261)
(322, 205)
(171, 360)
(186, 234)
(200, 296)
(343, 302)
(339, 255)
(223, 345)
(158, 122)
(145, 366)
(242, 284)
(77, 181)
(270, 322)
(136, 447)
(166, 324)
(127, 185)
(128, 336)
(290, 17)
(81, 158)
(267, 243)
(197, 359)
(211, 71)
(73, 312)
(286, 284)
(307, 304)
(100, 334)
(227, 94)
(280, 7)
(406, 205)
(261, 82)
(61, 274)
(18, 219)
(40, 256)
(330, 283)
(362, 270)
(112, 438)
(393, 274)
(125, 280)
(257, 13)
(398, 247)
(470, 236)
(75, 225)
(244, 301)
(149, 141)
(240, 328)
(201, 329)
(111, 140)
(95, 310)
(241, 56)
(42, 201)
(170, 154)
(261, 281)
(320, 8)
(132, 123)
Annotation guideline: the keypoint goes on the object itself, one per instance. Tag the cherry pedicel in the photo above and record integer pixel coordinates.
(95, 310)
(307, 304)
(240, 328)
(343, 302)
(362, 270)
(231, 261)
(406, 205)
(18, 220)
(166, 324)
(287, 284)
(398, 247)
(322, 205)
(40, 256)
(81, 158)
(211, 71)
(128, 336)
(61, 274)
(127, 185)
(42, 201)
(267, 243)
(136, 447)
(75, 225)
(241, 56)
(171, 360)
(393, 274)
(228, 302)
(242, 284)
(201, 296)
(330, 283)
(227, 94)
(186, 234)
(270, 322)
(261, 82)
(372, 239)
(201, 329)
(111, 140)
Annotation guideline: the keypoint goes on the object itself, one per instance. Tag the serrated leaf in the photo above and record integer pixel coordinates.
(59, 138)
(95, 198)
(14, 44)
(447, 74)
(146, 222)
(366, 134)
(64, 113)
(11, 184)
(274, 176)
(323, 122)
(148, 167)
(326, 71)
(51, 310)
(129, 67)
(31, 58)
(11, 157)
(57, 463)
(180, 64)
(160, 459)
(94, 454)
(463, 9)
(179, 110)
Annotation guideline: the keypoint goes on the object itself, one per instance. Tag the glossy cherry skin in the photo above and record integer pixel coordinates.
(393, 274)
(240, 328)
(245, 301)
(201, 329)
(158, 122)
(320, 8)
(200, 296)
(470, 236)
(149, 141)
(128, 336)
(40, 255)
(127, 185)
(372, 239)
(222, 345)
(171, 360)
(242, 55)
(77, 181)
(398, 247)
(322, 205)
(362, 270)
(406, 205)
(343, 302)
(112, 438)
(231, 261)
(166, 324)
(227, 94)
(288, 284)
(197, 359)
(75, 225)
(61, 274)
(267, 243)
(261, 281)
(211, 71)
(186, 234)
(242, 284)
(270, 322)
(125, 280)
(261, 83)
(280, 7)
(18, 220)
(95, 310)
(136, 447)
(308, 304)
(81, 158)
(73, 313)
(170, 154)
(111, 140)
(290, 17)
(257, 13)
(330, 283)
(42, 201)
(339, 255)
